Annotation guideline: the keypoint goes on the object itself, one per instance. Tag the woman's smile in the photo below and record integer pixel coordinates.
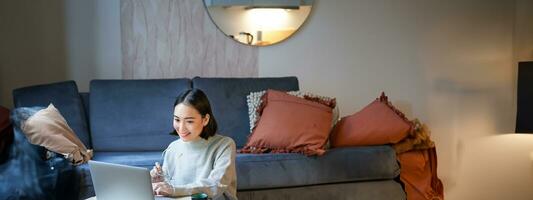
(184, 134)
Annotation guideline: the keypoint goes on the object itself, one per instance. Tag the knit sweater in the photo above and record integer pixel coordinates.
(206, 166)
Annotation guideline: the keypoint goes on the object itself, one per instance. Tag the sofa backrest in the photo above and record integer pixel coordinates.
(136, 115)
(133, 115)
(228, 101)
(64, 96)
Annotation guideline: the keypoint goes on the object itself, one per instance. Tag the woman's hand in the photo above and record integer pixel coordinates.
(162, 188)
(156, 173)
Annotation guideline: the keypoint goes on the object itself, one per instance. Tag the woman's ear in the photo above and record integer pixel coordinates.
(205, 120)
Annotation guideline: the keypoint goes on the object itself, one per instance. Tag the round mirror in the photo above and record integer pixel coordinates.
(258, 22)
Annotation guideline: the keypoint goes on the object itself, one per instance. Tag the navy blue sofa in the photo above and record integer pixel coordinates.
(129, 121)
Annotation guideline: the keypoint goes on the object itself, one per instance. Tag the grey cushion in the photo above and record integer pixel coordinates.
(228, 100)
(133, 115)
(65, 96)
(262, 171)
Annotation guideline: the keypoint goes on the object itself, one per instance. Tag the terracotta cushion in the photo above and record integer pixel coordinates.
(377, 124)
(254, 101)
(290, 124)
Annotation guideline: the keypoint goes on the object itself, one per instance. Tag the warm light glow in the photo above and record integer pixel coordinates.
(262, 26)
(268, 18)
(513, 138)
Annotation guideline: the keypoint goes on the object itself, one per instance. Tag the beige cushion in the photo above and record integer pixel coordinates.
(49, 129)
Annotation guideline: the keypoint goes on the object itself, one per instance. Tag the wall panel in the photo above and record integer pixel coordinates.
(176, 38)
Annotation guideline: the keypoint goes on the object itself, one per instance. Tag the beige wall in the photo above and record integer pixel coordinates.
(523, 42)
(449, 63)
(46, 41)
(32, 45)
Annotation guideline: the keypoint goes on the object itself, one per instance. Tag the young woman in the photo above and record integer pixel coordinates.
(200, 161)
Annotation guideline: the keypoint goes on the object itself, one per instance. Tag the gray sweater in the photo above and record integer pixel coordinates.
(206, 166)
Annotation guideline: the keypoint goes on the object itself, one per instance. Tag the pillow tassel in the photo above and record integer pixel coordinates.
(303, 149)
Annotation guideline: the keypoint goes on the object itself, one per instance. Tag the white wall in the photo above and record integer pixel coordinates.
(93, 40)
(449, 63)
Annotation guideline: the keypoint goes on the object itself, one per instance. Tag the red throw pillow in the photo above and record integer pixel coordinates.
(254, 101)
(290, 124)
(376, 124)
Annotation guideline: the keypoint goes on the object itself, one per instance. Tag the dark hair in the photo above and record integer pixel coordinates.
(198, 100)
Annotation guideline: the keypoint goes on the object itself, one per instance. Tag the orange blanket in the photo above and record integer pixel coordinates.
(418, 160)
(419, 175)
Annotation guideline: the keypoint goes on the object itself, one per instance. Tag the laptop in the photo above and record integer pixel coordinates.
(115, 182)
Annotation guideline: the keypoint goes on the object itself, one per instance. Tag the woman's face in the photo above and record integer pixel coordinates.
(188, 122)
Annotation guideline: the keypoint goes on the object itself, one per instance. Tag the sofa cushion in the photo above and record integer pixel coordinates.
(376, 124)
(254, 102)
(133, 115)
(228, 101)
(290, 124)
(65, 96)
(261, 171)
(85, 101)
(374, 190)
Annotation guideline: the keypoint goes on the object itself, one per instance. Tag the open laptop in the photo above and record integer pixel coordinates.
(115, 182)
